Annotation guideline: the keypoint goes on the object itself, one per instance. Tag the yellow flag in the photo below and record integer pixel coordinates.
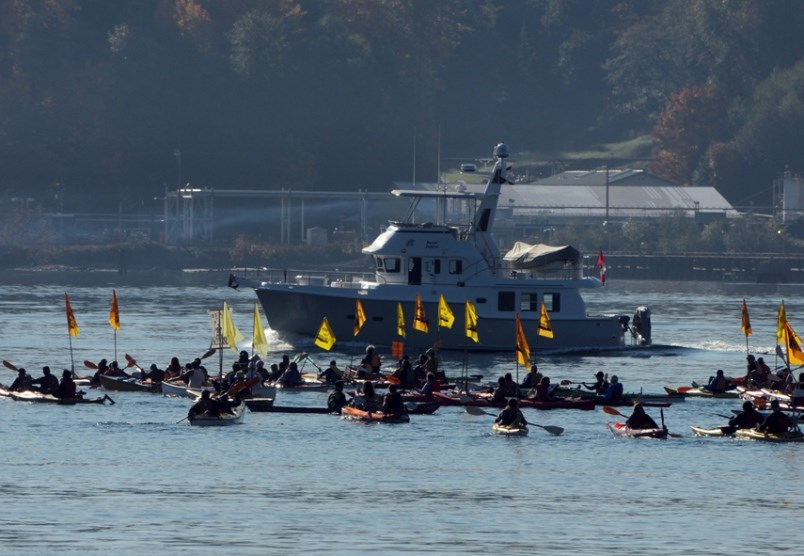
(400, 320)
(325, 338)
(230, 331)
(72, 325)
(260, 342)
(360, 316)
(114, 313)
(522, 347)
(746, 322)
(445, 316)
(780, 320)
(471, 321)
(793, 344)
(420, 321)
(544, 323)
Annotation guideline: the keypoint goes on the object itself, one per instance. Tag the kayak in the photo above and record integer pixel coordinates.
(717, 431)
(699, 392)
(354, 414)
(754, 434)
(38, 397)
(629, 398)
(509, 430)
(222, 420)
(126, 384)
(621, 429)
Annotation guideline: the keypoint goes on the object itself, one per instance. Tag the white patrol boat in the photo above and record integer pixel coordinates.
(462, 264)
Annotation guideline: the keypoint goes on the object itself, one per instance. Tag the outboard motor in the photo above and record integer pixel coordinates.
(640, 329)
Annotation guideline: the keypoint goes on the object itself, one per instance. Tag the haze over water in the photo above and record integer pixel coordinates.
(128, 479)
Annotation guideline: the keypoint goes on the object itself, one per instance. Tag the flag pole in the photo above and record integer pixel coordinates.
(72, 361)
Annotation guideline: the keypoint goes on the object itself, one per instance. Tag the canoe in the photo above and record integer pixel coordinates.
(354, 414)
(717, 431)
(509, 430)
(38, 397)
(627, 398)
(124, 384)
(223, 420)
(699, 392)
(307, 386)
(621, 429)
(754, 434)
(586, 404)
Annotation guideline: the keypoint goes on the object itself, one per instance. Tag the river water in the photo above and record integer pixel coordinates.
(127, 479)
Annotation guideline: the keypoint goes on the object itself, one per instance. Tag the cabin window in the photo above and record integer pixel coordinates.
(392, 264)
(552, 301)
(379, 263)
(432, 266)
(529, 302)
(505, 301)
(455, 266)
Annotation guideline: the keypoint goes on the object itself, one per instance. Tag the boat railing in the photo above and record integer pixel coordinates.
(306, 277)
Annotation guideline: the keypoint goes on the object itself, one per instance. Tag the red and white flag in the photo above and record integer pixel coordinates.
(601, 264)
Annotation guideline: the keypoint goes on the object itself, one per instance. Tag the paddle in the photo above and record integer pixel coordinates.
(90, 365)
(131, 361)
(239, 386)
(474, 410)
(611, 411)
(8, 365)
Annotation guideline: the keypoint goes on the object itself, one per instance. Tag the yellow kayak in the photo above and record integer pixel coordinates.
(754, 434)
(509, 430)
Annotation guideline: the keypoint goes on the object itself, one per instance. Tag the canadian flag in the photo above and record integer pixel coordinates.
(601, 264)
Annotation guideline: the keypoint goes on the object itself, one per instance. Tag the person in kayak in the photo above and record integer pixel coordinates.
(613, 393)
(291, 377)
(718, 383)
(639, 419)
(370, 364)
(47, 382)
(405, 373)
(499, 395)
(600, 384)
(429, 386)
(204, 406)
(66, 388)
(392, 402)
(511, 387)
(544, 392)
(532, 378)
(336, 399)
(511, 415)
(22, 383)
(748, 418)
(370, 400)
(332, 374)
(777, 422)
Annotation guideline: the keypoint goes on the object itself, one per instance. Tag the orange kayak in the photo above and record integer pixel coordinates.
(354, 414)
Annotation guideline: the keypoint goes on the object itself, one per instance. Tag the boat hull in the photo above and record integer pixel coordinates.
(717, 431)
(299, 310)
(224, 420)
(754, 434)
(354, 414)
(621, 429)
(509, 430)
(122, 384)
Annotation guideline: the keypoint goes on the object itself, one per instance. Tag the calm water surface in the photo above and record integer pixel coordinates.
(127, 479)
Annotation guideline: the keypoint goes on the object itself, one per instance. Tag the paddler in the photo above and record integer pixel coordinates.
(204, 406)
(777, 422)
(392, 402)
(47, 382)
(511, 415)
(639, 419)
(332, 374)
(22, 383)
(600, 384)
(718, 383)
(748, 418)
(613, 393)
(336, 399)
(66, 389)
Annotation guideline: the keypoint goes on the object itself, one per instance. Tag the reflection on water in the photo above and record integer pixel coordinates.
(127, 479)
